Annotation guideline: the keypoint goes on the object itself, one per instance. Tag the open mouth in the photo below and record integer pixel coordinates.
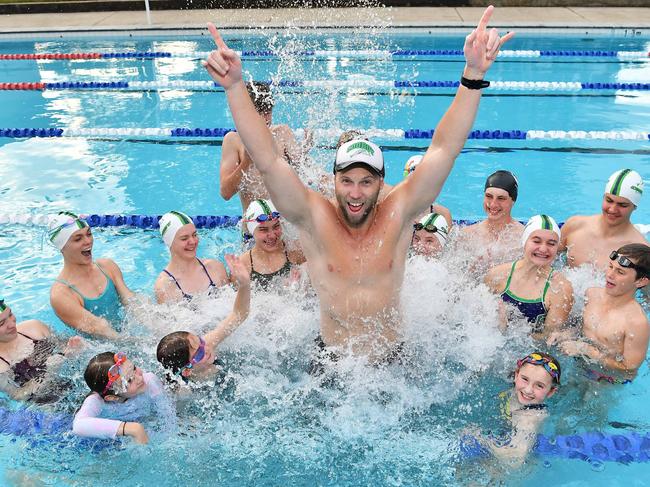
(86, 253)
(355, 207)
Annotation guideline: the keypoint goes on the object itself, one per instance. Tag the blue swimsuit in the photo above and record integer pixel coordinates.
(533, 309)
(107, 305)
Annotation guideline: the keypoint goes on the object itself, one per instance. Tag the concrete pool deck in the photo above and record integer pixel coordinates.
(636, 20)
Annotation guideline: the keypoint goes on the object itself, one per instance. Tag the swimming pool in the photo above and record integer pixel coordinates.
(277, 425)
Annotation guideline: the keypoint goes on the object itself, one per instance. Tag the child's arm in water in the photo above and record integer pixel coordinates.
(87, 423)
(525, 425)
(241, 275)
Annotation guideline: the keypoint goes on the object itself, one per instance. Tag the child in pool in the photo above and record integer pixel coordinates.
(192, 357)
(537, 378)
(122, 397)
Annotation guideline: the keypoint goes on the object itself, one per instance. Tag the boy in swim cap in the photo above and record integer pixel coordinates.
(237, 173)
(590, 239)
(615, 328)
(189, 356)
(354, 246)
(430, 235)
(88, 294)
(185, 274)
(411, 164)
(497, 238)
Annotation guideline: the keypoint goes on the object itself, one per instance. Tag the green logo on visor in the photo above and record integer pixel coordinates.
(363, 147)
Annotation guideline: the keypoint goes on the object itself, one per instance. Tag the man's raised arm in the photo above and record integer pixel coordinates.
(286, 190)
(481, 49)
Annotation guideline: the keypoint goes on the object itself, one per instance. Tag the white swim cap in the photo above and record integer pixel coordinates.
(171, 223)
(627, 184)
(258, 212)
(411, 164)
(539, 222)
(360, 151)
(434, 222)
(62, 226)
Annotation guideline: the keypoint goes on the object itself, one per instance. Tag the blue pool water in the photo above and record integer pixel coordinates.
(278, 425)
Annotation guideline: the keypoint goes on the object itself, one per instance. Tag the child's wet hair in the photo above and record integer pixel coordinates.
(173, 352)
(547, 358)
(96, 373)
(260, 93)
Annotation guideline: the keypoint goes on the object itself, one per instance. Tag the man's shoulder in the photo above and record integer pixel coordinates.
(578, 222)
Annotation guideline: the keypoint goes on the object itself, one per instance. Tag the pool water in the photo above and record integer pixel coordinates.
(271, 423)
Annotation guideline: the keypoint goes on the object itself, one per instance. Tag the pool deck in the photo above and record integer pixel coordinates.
(397, 17)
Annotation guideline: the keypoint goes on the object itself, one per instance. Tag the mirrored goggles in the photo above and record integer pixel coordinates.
(265, 218)
(627, 263)
(427, 228)
(198, 355)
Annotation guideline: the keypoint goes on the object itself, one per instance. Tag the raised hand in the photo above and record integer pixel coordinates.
(223, 64)
(482, 46)
(239, 273)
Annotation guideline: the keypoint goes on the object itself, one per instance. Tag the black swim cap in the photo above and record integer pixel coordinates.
(503, 180)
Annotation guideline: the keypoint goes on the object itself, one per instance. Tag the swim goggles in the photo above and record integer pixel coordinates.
(115, 372)
(198, 355)
(264, 217)
(537, 359)
(429, 227)
(627, 263)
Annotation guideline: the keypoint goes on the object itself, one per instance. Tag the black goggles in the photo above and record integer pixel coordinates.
(627, 263)
(428, 228)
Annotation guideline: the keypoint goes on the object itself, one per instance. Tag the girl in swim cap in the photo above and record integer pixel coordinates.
(269, 259)
(185, 274)
(430, 235)
(88, 294)
(530, 285)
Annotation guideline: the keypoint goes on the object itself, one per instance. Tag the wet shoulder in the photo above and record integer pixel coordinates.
(35, 329)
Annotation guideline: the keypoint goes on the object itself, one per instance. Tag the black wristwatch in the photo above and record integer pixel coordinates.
(474, 84)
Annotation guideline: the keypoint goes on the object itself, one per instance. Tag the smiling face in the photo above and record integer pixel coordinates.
(541, 247)
(533, 384)
(616, 209)
(131, 378)
(78, 248)
(8, 330)
(497, 204)
(186, 241)
(357, 190)
(268, 235)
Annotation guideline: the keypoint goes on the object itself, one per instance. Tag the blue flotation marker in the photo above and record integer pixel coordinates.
(622, 448)
(45, 429)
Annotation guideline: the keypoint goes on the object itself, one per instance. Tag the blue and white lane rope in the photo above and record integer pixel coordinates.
(361, 53)
(384, 134)
(151, 221)
(553, 86)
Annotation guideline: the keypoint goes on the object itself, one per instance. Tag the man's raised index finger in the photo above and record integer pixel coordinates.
(216, 36)
(482, 24)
